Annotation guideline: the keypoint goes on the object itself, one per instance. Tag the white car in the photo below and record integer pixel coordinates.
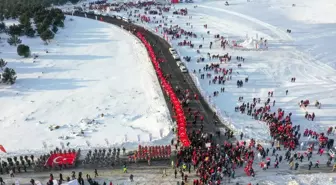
(125, 19)
(172, 51)
(183, 69)
(179, 63)
(176, 57)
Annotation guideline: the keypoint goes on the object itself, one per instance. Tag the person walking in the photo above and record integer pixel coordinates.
(11, 173)
(96, 173)
(1, 181)
(125, 169)
(310, 165)
(164, 173)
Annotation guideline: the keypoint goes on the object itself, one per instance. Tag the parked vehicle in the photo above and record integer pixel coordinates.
(183, 69)
(125, 19)
(179, 63)
(172, 51)
(176, 56)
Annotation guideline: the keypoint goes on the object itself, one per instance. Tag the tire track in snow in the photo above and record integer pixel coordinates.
(281, 34)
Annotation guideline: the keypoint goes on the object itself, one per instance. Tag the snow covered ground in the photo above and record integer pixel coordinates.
(91, 68)
(312, 179)
(267, 70)
(306, 54)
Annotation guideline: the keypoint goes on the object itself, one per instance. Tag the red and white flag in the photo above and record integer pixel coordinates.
(56, 159)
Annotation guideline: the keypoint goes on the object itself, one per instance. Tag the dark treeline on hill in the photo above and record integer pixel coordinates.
(29, 3)
(28, 12)
(36, 18)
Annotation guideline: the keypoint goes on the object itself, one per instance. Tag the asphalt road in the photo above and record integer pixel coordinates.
(182, 80)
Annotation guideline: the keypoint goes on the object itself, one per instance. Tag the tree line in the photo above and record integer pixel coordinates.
(46, 23)
(36, 18)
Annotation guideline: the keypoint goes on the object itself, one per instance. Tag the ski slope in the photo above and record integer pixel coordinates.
(91, 68)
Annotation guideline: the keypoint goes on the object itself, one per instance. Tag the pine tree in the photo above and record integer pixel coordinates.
(42, 28)
(24, 20)
(14, 40)
(15, 30)
(13, 14)
(29, 32)
(2, 64)
(47, 35)
(7, 15)
(23, 50)
(59, 21)
(2, 27)
(8, 76)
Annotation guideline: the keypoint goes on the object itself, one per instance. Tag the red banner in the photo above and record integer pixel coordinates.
(180, 118)
(2, 149)
(56, 159)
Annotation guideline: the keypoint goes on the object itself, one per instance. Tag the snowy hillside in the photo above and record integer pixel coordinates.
(91, 68)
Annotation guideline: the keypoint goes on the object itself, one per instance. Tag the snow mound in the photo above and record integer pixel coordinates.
(293, 183)
(249, 43)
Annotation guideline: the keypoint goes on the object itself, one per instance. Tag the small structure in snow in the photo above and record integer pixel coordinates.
(64, 137)
(86, 121)
(54, 127)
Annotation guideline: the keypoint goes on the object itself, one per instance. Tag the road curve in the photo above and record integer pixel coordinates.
(183, 80)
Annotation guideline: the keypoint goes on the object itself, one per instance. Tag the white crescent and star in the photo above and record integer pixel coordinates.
(59, 157)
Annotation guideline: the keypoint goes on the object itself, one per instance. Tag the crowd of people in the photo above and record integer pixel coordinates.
(285, 135)
(216, 162)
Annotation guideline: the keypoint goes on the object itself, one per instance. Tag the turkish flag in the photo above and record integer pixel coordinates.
(56, 159)
(2, 149)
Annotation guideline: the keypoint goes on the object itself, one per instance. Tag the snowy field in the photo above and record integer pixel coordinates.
(306, 54)
(91, 68)
(289, 55)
